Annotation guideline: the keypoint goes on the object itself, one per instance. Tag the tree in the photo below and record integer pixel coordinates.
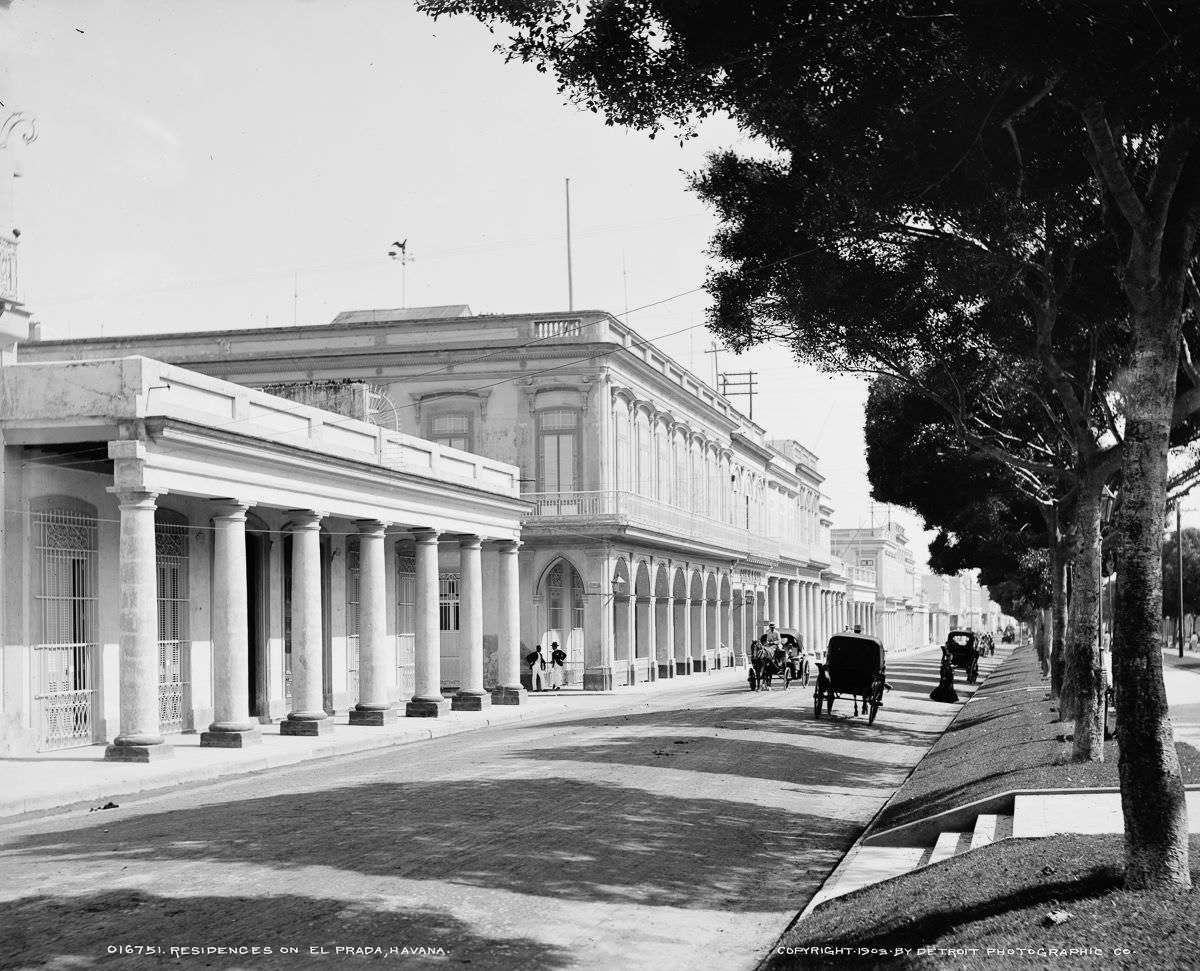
(905, 126)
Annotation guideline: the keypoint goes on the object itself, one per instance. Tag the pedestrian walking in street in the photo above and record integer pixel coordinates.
(557, 670)
(537, 669)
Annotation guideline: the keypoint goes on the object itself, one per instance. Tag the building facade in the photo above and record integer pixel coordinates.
(182, 553)
(664, 528)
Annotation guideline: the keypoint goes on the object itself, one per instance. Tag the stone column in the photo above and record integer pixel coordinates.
(794, 604)
(773, 601)
(232, 725)
(471, 696)
(308, 716)
(508, 690)
(374, 670)
(140, 739)
(427, 700)
(664, 638)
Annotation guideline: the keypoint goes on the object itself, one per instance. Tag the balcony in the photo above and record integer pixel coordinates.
(625, 510)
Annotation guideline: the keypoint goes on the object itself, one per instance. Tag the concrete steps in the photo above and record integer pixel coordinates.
(868, 865)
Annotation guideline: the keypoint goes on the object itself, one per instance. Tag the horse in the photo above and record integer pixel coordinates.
(764, 665)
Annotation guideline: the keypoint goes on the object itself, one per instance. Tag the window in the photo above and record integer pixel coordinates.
(558, 450)
(171, 544)
(65, 557)
(406, 623)
(448, 601)
(452, 430)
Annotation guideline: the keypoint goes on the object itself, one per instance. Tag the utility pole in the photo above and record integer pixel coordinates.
(570, 282)
(743, 385)
(714, 349)
(1179, 552)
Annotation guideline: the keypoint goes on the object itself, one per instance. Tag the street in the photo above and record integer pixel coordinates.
(684, 827)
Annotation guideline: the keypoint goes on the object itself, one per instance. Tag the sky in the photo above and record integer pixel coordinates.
(218, 164)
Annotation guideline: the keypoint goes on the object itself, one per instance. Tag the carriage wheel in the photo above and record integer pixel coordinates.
(807, 675)
(817, 704)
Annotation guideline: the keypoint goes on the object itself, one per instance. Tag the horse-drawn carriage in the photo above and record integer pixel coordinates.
(786, 660)
(962, 648)
(853, 665)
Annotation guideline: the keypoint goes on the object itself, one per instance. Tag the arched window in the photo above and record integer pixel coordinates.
(564, 598)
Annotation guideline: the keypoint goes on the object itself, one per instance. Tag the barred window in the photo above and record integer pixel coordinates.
(448, 601)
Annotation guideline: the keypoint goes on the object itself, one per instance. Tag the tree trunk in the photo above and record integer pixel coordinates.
(1085, 680)
(1058, 619)
(1152, 793)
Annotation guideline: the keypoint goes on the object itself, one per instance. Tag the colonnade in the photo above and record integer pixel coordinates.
(233, 726)
(816, 612)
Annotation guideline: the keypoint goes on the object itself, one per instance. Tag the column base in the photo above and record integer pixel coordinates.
(470, 701)
(305, 726)
(373, 717)
(222, 738)
(666, 669)
(683, 668)
(598, 679)
(652, 671)
(117, 752)
(508, 696)
(424, 708)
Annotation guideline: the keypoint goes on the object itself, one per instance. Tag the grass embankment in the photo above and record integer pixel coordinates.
(989, 908)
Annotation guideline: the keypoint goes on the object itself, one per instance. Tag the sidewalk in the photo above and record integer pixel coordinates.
(1181, 677)
(55, 780)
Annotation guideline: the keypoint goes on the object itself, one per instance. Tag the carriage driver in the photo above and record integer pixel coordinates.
(771, 640)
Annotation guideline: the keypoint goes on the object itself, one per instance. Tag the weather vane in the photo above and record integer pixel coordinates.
(398, 251)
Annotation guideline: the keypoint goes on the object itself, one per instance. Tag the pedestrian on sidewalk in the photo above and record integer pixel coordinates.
(537, 669)
(945, 692)
(557, 670)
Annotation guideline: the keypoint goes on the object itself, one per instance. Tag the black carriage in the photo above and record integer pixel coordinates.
(796, 665)
(962, 648)
(853, 665)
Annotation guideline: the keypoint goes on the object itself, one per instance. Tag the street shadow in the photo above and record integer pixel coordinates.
(79, 931)
(788, 721)
(749, 759)
(544, 837)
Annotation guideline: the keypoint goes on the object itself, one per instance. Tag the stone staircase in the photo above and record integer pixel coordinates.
(868, 864)
(882, 856)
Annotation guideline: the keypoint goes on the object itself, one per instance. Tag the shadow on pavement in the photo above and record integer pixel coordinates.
(76, 932)
(791, 721)
(555, 837)
(772, 761)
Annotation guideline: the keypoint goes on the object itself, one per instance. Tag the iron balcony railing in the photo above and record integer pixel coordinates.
(630, 509)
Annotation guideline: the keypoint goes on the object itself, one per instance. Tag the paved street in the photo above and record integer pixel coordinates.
(673, 830)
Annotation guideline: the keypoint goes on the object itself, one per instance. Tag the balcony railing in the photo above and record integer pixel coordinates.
(630, 509)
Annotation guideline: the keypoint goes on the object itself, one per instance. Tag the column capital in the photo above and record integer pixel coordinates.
(135, 498)
(506, 545)
(426, 535)
(469, 541)
(370, 527)
(304, 519)
(233, 510)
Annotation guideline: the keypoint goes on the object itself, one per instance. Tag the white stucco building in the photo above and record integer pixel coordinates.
(664, 528)
(180, 552)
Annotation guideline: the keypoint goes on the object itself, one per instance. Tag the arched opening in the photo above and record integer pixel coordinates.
(565, 602)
